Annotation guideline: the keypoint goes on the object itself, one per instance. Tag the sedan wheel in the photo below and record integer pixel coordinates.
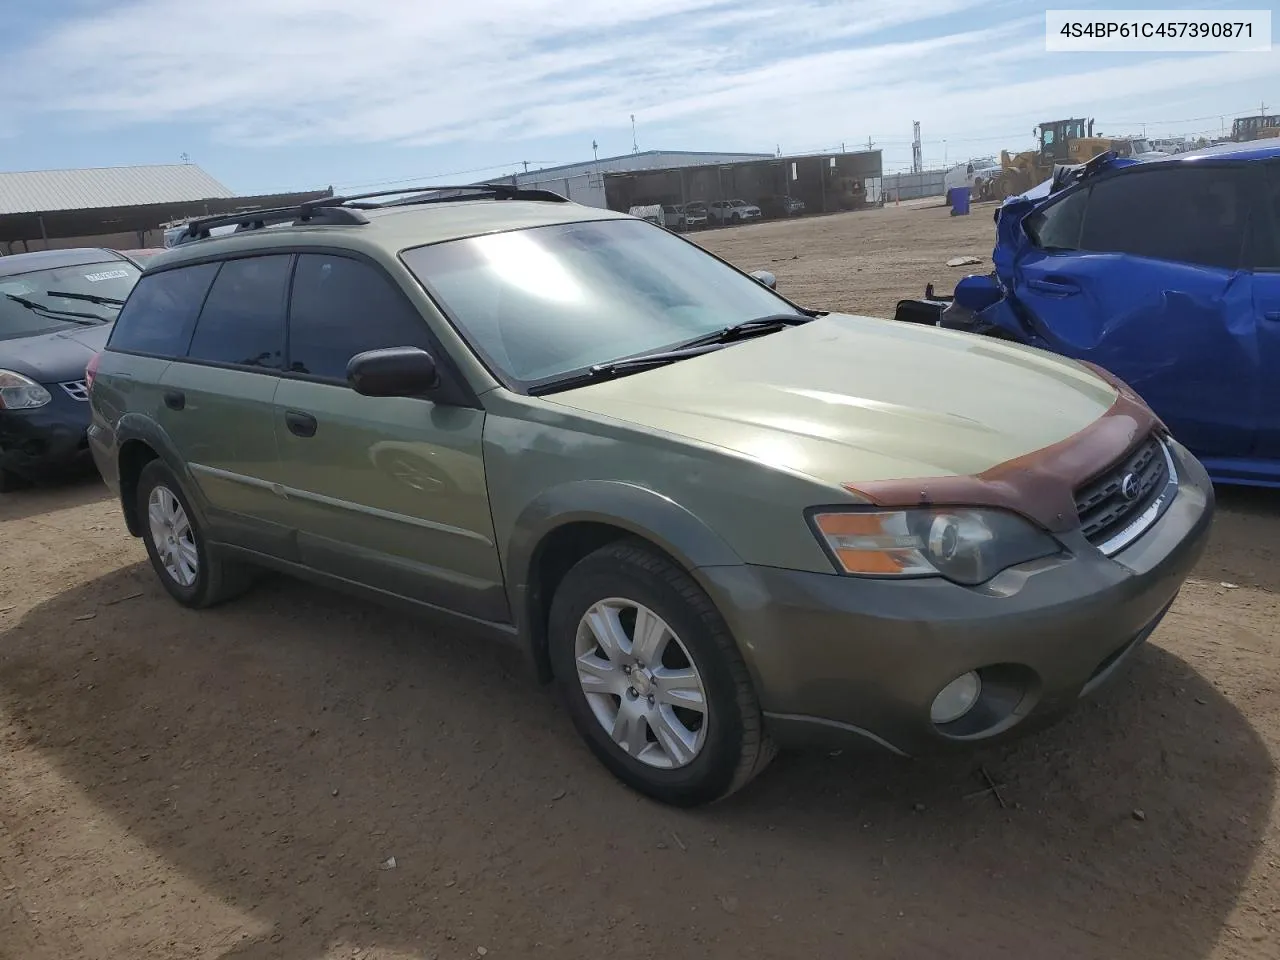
(641, 683)
(172, 537)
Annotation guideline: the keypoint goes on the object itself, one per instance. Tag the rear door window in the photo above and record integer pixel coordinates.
(161, 311)
(1181, 212)
(242, 323)
(341, 307)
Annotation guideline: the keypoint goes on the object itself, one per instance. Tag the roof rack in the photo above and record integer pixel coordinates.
(345, 211)
(335, 215)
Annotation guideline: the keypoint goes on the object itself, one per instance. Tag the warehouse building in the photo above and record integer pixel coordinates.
(585, 182)
(821, 183)
(117, 207)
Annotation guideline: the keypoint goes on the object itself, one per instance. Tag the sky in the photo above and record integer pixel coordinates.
(276, 95)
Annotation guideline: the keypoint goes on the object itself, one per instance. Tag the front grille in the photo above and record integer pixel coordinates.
(76, 390)
(1110, 503)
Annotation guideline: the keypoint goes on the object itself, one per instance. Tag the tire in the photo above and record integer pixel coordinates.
(730, 744)
(212, 580)
(10, 481)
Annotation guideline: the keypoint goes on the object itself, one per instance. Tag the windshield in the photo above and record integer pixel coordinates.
(111, 280)
(541, 303)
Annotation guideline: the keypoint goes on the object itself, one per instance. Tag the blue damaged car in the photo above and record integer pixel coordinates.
(1165, 272)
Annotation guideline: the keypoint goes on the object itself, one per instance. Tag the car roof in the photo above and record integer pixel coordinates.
(1268, 149)
(17, 263)
(391, 229)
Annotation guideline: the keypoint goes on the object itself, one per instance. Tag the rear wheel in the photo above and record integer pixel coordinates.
(10, 481)
(176, 544)
(652, 679)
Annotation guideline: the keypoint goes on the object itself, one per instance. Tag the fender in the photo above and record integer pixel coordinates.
(135, 426)
(635, 509)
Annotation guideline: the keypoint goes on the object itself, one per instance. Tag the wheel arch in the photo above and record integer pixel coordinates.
(567, 523)
(139, 441)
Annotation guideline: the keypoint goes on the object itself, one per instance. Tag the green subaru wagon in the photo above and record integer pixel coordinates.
(718, 522)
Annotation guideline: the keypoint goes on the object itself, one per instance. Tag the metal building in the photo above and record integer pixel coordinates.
(584, 182)
(821, 183)
(118, 207)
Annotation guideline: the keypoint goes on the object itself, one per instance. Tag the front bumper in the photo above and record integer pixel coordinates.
(46, 442)
(839, 658)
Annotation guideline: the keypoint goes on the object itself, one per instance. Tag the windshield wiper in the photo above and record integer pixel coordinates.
(90, 297)
(749, 328)
(620, 368)
(80, 318)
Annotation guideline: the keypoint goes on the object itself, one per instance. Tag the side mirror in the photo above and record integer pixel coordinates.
(765, 277)
(393, 372)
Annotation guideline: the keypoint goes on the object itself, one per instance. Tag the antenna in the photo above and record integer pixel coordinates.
(595, 150)
(184, 158)
(634, 147)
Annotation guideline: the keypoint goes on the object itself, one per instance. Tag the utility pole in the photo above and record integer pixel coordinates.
(869, 144)
(526, 165)
(917, 162)
(635, 147)
(595, 151)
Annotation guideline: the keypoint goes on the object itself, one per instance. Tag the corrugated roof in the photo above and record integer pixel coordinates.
(42, 191)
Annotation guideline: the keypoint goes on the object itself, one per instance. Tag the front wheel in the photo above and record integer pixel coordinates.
(653, 680)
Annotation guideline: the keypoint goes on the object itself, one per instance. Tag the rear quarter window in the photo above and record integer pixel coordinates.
(1058, 226)
(160, 313)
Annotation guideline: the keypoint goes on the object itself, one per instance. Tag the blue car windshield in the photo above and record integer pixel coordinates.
(30, 305)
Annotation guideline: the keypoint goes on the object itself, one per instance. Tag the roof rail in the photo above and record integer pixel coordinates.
(345, 211)
(258, 219)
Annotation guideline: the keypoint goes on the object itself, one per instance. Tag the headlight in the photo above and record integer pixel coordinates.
(967, 546)
(20, 393)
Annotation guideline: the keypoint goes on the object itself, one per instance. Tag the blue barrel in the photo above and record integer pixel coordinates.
(960, 201)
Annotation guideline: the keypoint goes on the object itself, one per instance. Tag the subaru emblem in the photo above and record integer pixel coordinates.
(1129, 486)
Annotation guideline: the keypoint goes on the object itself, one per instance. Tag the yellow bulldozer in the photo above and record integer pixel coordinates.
(1061, 141)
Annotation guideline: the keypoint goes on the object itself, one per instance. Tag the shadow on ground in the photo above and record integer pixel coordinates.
(34, 501)
(279, 749)
(1245, 545)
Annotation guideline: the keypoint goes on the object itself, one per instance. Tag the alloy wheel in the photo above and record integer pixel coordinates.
(173, 537)
(641, 684)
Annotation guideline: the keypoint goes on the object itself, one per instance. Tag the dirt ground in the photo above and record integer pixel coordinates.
(233, 783)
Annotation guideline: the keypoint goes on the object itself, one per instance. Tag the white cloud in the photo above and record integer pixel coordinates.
(427, 72)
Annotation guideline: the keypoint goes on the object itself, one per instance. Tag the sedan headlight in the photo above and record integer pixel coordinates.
(968, 546)
(20, 393)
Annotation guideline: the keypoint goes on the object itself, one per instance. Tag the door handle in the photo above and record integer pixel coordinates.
(300, 424)
(175, 399)
(1059, 288)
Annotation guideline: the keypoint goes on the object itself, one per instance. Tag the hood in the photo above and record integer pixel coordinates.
(846, 399)
(54, 357)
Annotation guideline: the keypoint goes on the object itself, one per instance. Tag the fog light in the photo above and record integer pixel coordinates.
(956, 699)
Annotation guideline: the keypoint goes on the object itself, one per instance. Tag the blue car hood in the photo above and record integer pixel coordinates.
(54, 357)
